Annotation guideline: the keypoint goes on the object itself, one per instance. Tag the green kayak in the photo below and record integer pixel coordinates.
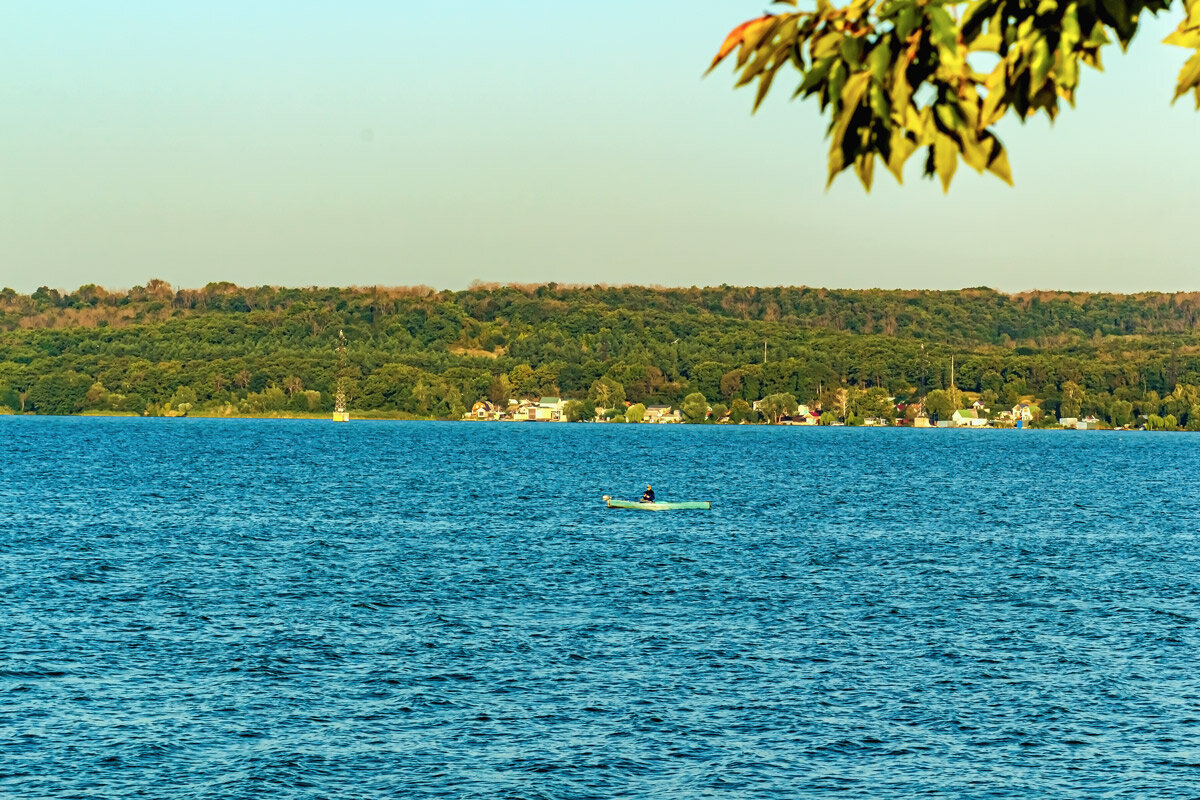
(695, 504)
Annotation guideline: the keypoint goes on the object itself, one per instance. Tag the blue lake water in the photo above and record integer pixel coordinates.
(298, 609)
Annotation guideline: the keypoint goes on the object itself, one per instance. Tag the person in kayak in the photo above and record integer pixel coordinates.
(648, 495)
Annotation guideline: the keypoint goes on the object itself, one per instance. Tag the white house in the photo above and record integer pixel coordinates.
(550, 409)
(523, 410)
(1022, 411)
(968, 418)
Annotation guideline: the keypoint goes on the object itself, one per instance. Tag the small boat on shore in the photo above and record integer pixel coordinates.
(657, 506)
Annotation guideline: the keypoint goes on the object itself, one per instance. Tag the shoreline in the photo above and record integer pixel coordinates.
(401, 417)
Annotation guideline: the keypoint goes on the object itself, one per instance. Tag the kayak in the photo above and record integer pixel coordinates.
(692, 504)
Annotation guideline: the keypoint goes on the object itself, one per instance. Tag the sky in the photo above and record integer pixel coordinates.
(420, 142)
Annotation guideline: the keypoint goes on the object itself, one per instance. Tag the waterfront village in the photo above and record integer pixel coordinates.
(768, 410)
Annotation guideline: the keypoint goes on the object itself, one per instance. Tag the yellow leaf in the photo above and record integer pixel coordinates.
(836, 162)
(852, 95)
(999, 165)
(993, 105)
(985, 42)
(945, 159)
(901, 91)
(1184, 38)
(764, 83)
(902, 148)
(974, 152)
(864, 165)
(1040, 63)
(1189, 77)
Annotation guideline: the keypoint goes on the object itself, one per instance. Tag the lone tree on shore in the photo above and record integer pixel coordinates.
(902, 75)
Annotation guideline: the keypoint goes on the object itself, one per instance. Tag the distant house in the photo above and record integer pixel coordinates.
(1088, 424)
(550, 409)
(482, 410)
(525, 410)
(921, 421)
(968, 418)
(1023, 412)
(544, 409)
(661, 414)
(1068, 422)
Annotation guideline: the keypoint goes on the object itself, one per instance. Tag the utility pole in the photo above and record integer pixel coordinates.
(955, 396)
(764, 351)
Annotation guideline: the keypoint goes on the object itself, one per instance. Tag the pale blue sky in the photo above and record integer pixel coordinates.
(413, 142)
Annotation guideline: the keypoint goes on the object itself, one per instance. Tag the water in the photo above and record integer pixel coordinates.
(286, 609)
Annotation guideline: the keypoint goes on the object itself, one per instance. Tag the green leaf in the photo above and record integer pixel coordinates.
(1119, 18)
(1098, 35)
(837, 79)
(941, 24)
(880, 59)
(851, 49)
(814, 76)
(880, 106)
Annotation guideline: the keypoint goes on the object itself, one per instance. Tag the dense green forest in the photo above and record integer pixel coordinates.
(231, 349)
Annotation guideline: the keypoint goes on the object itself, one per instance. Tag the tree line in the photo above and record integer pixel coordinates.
(425, 353)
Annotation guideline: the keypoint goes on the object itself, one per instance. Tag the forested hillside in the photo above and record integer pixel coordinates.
(431, 353)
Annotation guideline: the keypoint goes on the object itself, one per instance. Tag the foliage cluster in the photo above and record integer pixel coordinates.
(902, 76)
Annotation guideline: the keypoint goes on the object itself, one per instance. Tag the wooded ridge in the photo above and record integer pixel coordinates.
(434, 353)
